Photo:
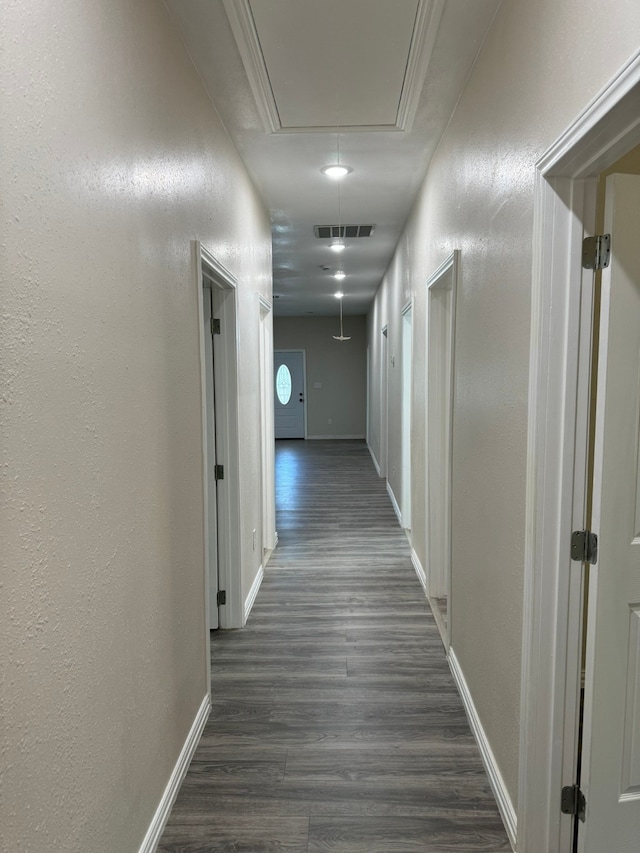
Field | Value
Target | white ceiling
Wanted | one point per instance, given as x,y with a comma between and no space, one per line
284,75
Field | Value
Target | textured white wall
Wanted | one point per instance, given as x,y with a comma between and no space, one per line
539,67
113,160
341,368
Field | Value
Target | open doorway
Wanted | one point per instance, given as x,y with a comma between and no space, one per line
220,440
267,431
564,325
384,401
407,372
441,296
210,453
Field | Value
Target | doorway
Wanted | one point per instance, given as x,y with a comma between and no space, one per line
290,409
384,402
267,431
407,370
220,440
563,329
441,295
211,451
610,757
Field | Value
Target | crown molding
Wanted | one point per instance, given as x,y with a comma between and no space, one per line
423,40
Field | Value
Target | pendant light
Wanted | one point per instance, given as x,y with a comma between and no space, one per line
341,336
337,172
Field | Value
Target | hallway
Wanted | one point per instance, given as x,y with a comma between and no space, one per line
336,725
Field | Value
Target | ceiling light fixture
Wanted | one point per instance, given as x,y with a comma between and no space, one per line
339,294
337,246
341,336
339,275
336,171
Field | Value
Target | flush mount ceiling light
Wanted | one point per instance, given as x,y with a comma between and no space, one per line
339,275
337,246
336,171
339,294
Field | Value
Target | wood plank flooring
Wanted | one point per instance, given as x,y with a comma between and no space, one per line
336,725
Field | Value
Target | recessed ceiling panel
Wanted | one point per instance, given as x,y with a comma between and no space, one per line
285,163
336,61
316,64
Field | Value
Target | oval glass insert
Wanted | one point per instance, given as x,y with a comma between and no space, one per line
283,384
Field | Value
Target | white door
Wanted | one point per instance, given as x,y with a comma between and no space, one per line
611,758
288,368
211,459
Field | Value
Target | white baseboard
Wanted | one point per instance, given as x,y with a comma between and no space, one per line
394,503
250,599
329,437
375,461
417,565
157,825
505,805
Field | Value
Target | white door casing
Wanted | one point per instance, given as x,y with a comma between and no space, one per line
222,284
407,372
267,428
384,401
290,410
562,294
441,290
611,758
210,461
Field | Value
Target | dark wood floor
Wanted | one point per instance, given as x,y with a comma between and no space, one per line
336,726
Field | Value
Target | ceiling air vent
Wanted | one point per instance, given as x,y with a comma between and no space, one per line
328,231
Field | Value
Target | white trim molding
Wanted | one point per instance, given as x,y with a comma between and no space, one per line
158,823
561,333
267,426
505,805
394,503
358,437
439,389
197,265
420,572
424,38
376,464
407,307
216,267
223,285
264,303
253,592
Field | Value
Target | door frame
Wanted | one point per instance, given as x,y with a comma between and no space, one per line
368,398
269,534
224,301
441,579
561,335
304,379
209,450
406,415
384,401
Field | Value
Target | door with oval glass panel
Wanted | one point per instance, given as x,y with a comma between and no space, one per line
289,397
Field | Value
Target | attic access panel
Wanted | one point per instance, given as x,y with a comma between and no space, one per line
359,64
